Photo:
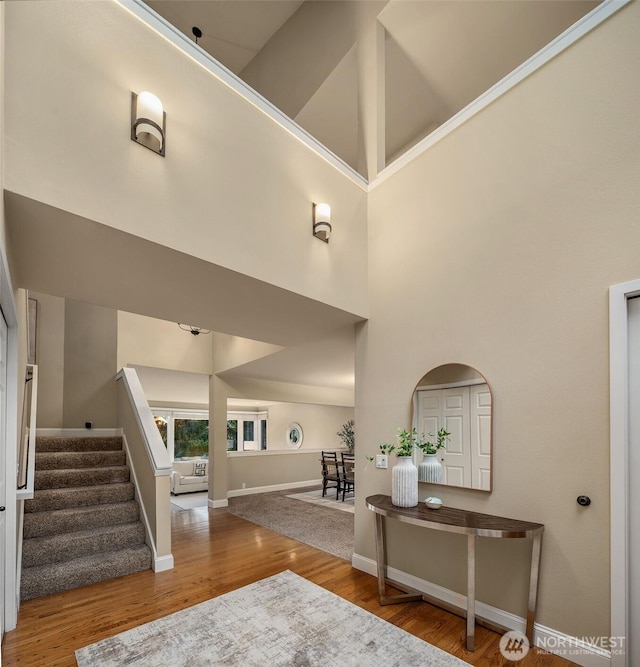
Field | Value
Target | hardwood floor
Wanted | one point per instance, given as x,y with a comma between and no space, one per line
216,552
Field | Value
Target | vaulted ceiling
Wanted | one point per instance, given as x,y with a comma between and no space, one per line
439,55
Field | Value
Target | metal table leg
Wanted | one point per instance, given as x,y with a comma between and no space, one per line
533,585
471,591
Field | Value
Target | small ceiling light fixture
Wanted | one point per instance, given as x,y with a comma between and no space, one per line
322,222
148,122
196,331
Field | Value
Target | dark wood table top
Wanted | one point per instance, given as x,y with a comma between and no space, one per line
454,520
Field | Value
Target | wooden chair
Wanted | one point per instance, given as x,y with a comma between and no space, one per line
331,473
348,482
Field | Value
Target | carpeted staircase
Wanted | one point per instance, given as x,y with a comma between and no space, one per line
82,525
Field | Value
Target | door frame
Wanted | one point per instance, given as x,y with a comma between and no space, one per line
10,311
619,456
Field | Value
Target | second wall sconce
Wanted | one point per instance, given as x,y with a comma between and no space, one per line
148,122
322,222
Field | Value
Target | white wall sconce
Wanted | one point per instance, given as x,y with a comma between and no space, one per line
322,222
148,122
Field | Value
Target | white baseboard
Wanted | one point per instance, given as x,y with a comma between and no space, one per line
274,487
80,432
163,563
216,504
577,650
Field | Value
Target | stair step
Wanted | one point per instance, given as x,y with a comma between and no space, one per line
69,546
67,460
54,443
52,578
79,496
56,479
40,524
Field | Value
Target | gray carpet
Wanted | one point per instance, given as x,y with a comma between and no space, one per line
83,523
283,620
319,526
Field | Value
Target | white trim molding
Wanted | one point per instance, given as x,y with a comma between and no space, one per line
571,35
580,651
274,487
619,457
162,563
217,504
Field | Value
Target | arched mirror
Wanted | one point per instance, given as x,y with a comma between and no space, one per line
456,398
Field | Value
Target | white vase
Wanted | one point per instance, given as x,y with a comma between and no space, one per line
404,483
430,470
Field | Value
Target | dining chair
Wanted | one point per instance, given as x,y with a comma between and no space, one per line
331,473
348,482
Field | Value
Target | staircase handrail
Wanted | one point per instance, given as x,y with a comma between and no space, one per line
156,451
27,454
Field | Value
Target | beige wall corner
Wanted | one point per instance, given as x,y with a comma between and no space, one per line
496,249
90,349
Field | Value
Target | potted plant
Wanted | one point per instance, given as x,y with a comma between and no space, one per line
430,470
348,434
404,475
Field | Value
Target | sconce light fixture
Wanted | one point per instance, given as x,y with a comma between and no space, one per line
322,222
148,122
196,331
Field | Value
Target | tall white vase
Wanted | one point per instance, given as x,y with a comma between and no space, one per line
404,483
430,470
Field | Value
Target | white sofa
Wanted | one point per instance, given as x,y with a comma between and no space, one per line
189,476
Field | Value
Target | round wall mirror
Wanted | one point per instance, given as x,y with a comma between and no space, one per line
295,435
455,399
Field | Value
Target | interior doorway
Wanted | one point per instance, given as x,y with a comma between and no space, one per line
3,454
624,355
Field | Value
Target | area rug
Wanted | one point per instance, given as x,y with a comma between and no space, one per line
281,620
314,525
188,501
315,497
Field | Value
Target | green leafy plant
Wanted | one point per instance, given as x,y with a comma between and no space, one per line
429,447
405,443
348,434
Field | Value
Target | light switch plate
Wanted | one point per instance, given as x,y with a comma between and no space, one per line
381,461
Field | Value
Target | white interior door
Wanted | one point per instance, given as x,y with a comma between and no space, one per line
633,638
449,409
480,425
3,442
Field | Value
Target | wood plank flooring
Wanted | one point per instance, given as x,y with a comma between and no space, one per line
216,552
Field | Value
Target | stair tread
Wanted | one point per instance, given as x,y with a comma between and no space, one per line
46,579
79,496
68,546
79,460
56,443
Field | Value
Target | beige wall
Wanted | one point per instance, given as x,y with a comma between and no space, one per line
50,359
235,189
90,341
264,469
496,249
147,341
319,423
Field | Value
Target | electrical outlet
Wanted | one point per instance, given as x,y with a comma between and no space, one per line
381,461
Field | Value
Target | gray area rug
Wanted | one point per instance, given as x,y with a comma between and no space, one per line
281,620
319,526
329,500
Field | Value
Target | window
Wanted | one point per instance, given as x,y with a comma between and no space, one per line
246,431
185,433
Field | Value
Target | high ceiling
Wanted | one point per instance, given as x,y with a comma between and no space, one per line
439,56
302,55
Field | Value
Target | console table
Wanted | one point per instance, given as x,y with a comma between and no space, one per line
471,524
